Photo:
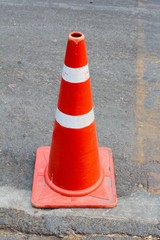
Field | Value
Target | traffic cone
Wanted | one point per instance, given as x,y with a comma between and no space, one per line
74,172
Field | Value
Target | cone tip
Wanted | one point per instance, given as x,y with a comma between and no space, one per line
76,36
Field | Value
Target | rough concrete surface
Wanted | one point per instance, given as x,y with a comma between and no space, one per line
124,58
137,214
13,235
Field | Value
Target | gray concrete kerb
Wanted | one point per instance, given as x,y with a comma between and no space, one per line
135,215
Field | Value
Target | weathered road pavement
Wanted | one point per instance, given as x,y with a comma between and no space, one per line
123,42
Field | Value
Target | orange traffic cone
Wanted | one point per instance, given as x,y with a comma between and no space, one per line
74,172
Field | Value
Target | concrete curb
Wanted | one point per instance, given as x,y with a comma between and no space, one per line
135,215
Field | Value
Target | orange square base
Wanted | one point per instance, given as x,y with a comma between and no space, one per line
103,197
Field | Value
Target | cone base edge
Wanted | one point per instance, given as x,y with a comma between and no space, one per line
73,193
103,197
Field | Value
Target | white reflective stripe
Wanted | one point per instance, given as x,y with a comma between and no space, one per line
75,75
70,121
